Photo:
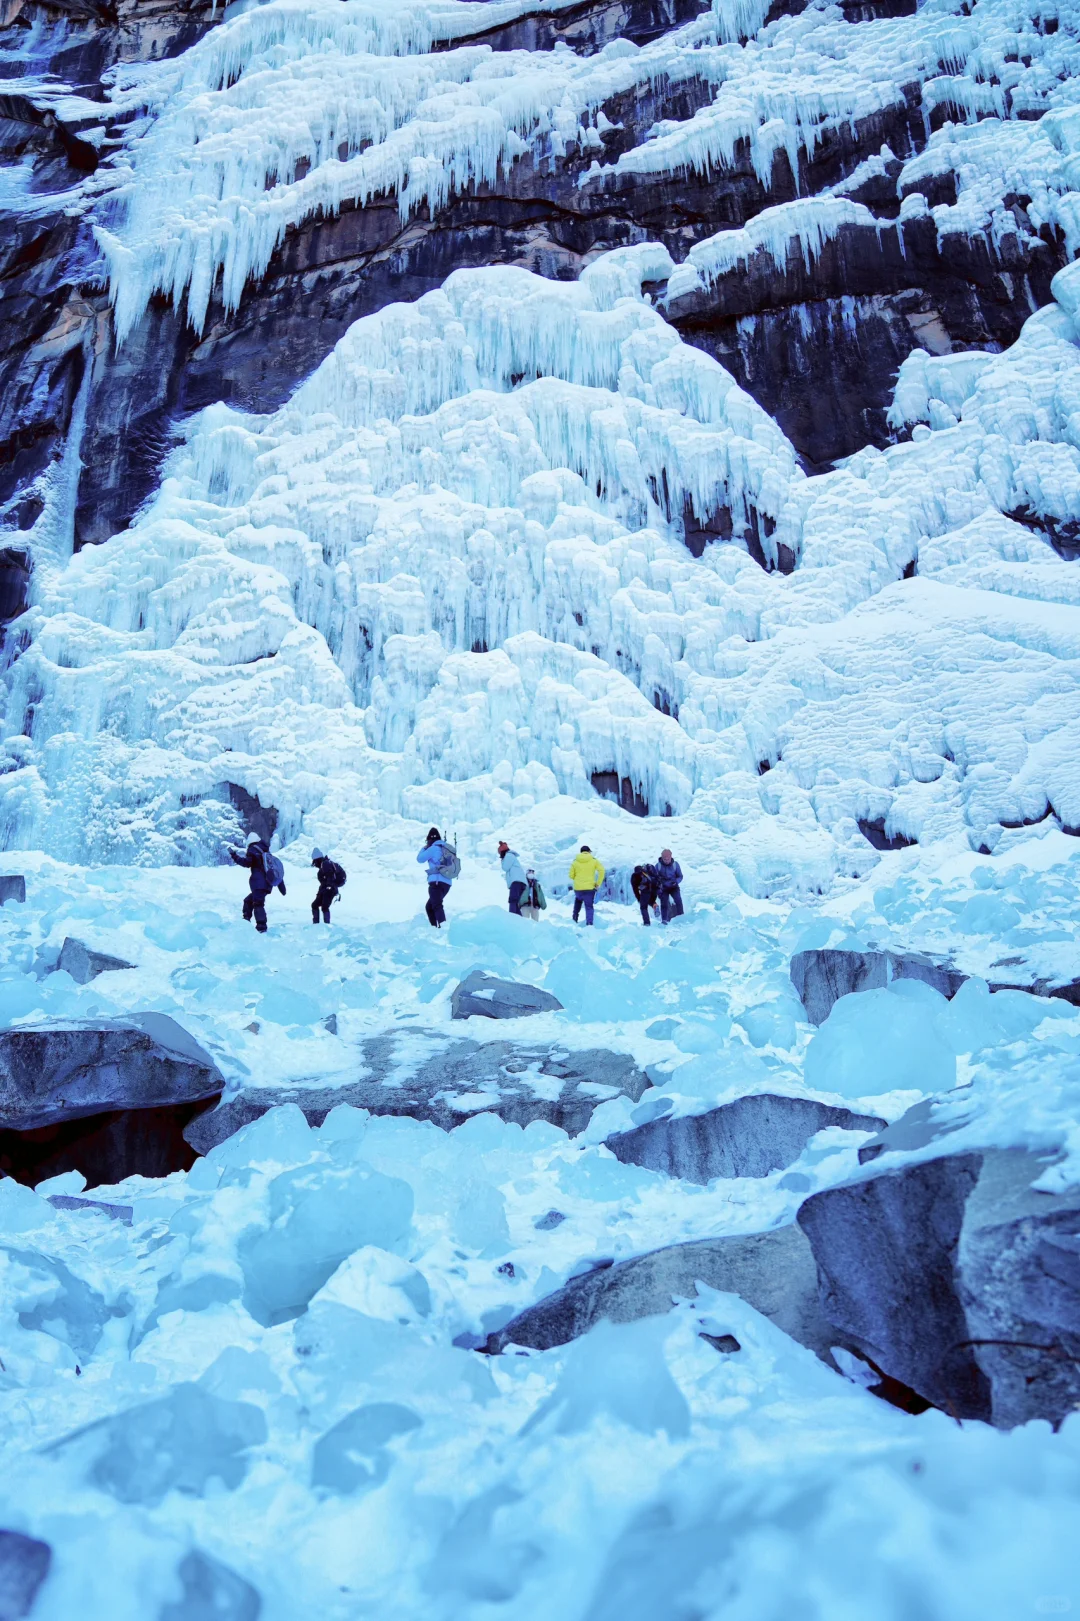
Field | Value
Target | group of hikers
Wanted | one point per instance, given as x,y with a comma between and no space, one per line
656,886
267,874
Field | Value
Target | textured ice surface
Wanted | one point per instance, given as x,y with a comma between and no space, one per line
446,581
251,1395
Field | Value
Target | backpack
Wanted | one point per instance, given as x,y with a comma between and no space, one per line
273,869
537,897
338,874
449,866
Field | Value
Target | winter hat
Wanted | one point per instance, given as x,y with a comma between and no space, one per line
503,845
433,833
585,850
252,838
317,855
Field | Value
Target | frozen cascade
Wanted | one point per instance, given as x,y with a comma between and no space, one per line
302,106
448,578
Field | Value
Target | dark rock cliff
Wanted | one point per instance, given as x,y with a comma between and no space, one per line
818,345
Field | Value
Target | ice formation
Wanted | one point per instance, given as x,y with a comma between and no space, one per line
447,580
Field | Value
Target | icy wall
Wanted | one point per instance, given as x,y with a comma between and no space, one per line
562,524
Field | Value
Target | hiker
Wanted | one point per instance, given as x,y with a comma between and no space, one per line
267,873
586,875
514,873
443,866
669,877
533,902
331,879
644,883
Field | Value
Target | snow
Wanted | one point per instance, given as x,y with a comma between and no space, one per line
447,582
261,1366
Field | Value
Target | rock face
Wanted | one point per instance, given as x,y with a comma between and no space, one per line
24,1565
519,1083
85,964
852,316
211,1589
485,996
73,1068
817,340
109,1099
12,889
750,1137
822,977
122,1213
957,1279
106,1148
774,1272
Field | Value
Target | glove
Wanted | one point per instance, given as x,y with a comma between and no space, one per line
281,889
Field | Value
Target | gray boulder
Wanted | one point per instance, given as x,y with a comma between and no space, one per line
123,1213
68,1069
211,1592
24,1565
490,998
519,1082
12,888
773,1272
85,964
749,1137
957,1279
821,978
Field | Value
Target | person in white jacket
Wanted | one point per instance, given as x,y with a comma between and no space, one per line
514,873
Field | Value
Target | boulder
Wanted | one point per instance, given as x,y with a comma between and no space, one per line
958,1279
749,1137
85,964
211,1590
67,1069
12,888
822,977
490,998
122,1213
24,1565
773,1272
518,1082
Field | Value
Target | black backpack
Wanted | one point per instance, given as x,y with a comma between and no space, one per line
337,875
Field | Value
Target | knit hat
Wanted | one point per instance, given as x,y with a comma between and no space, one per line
317,855
252,838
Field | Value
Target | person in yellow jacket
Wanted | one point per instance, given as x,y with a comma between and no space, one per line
586,875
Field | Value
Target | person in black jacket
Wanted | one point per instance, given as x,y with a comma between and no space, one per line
256,858
669,877
643,883
331,878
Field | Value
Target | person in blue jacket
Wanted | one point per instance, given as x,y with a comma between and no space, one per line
440,859
668,879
